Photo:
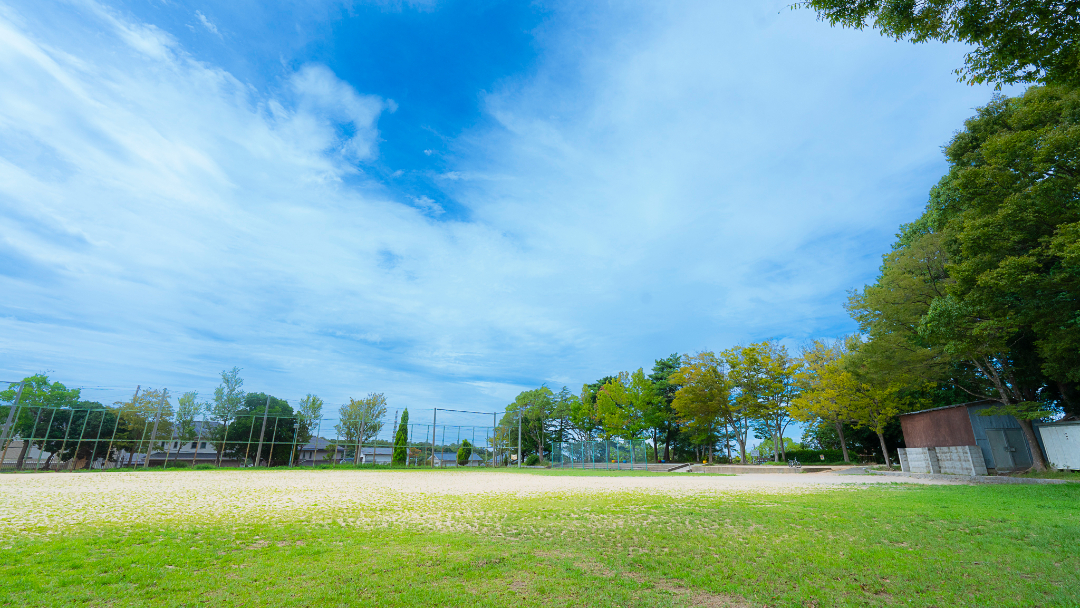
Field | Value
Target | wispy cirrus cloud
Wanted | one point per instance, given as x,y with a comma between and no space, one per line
665,178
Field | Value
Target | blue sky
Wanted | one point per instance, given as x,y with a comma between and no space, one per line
446,202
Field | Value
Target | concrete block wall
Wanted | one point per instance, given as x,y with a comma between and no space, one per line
961,460
918,460
950,460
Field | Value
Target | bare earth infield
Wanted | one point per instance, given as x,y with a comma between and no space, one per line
52,502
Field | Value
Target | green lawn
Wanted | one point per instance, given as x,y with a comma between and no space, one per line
893,545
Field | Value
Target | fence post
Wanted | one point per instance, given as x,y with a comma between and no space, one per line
153,434
434,419
10,419
262,432
78,445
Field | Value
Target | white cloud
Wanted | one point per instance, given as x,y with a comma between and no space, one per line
711,175
207,24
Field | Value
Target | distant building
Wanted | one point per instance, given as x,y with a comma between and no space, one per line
318,451
449,459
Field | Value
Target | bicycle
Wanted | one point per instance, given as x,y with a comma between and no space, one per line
794,464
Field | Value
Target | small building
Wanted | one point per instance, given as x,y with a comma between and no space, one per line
449,459
318,451
376,455
957,439
1061,443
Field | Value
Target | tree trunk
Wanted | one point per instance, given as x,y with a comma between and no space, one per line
775,447
884,450
742,448
45,467
22,454
1038,463
667,448
843,442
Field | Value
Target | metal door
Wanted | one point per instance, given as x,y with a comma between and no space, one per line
1020,454
999,447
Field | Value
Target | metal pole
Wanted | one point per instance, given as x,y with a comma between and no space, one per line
48,429
360,437
315,444
116,423
251,433
273,436
97,437
262,433
494,439
63,445
434,418
519,438
10,418
292,450
78,445
153,434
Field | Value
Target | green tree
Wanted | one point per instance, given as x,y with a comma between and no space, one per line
661,419
1014,40
262,419
308,415
37,407
401,440
464,452
827,389
535,408
361,420
228,401
703,401
981,292
623,403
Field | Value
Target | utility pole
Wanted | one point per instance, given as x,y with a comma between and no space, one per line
10,418
153,434
258,453
519,438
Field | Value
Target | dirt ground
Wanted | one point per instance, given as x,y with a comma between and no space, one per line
50,502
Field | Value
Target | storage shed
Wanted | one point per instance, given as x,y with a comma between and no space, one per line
999,438
1061,443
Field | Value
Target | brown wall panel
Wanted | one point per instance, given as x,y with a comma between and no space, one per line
947,427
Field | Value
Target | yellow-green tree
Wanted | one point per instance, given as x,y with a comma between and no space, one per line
623,403
703,401
827,390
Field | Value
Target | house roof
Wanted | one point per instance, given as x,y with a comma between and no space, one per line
453,456
320,443
949,407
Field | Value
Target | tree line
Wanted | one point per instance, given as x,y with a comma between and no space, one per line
56,420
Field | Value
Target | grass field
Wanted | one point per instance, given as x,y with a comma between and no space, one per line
538,538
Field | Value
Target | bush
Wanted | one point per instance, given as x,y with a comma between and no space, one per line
814,456
464,452
532,460
204,466
179,464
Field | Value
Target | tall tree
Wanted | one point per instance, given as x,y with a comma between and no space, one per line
361,420
401,440
228,401
703,401
623,403
662,419
780,388
827,389
308,415
1013,40
535,408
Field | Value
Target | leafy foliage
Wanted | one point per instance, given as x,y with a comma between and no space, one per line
1014,40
